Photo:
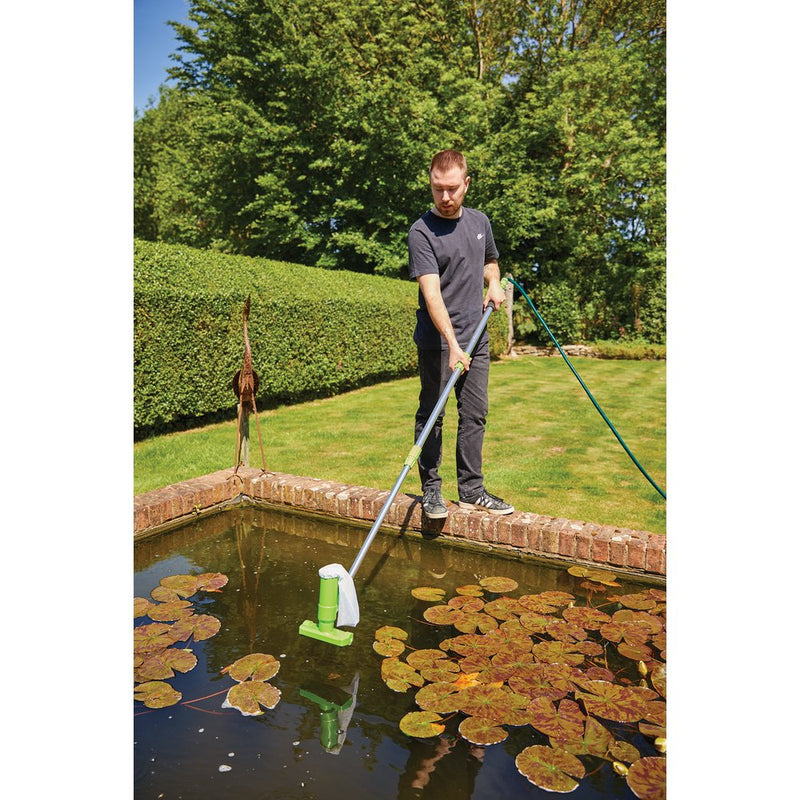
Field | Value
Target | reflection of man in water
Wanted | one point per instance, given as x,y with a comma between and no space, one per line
440,768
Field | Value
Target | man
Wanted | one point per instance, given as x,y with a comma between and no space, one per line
452,255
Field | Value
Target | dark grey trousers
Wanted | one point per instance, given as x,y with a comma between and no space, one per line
472,399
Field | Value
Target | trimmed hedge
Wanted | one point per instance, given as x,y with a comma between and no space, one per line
313,332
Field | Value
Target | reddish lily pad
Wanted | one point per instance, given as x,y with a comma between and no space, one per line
256,666
556,598
156,694
471,590
639,652
624,751
486,701
466,604
211,581
422,724
152,637
504,608
616,703
162,664
498,585
550,768
557,653
541,680
200,626
430,594
440,615
482,731
390,632
658,678
647,778
565,721
638,601
419,659
398,676
596,741
250,696
183,585
141,607
466,622
588,618
440,697
507,663
169,612
535,622
565,632
161,594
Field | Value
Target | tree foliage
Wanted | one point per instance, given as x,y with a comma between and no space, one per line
301,131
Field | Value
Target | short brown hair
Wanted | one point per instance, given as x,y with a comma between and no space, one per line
445,159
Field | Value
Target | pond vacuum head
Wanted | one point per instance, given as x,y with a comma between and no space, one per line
324,629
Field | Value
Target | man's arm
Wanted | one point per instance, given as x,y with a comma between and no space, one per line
491,277
431,289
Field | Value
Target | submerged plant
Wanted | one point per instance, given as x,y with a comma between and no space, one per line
579,675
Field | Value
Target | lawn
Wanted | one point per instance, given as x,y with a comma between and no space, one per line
547,450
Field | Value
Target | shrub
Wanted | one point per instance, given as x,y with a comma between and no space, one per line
313,332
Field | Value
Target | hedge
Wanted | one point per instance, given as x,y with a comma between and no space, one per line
313,332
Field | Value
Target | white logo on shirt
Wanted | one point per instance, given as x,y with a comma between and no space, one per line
480,236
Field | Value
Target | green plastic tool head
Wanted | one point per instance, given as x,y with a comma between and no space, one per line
325,629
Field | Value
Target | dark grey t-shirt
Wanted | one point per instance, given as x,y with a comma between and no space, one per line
456,249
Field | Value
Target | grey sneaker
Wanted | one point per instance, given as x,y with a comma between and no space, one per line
486,502
433,505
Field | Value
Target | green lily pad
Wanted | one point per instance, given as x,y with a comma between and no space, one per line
597,575
161,594
565,721
256,667
440,697
388,647
200,626
466,604
421,724
440,615
647,778
430,594
638,601
557,598
162,664
398,676
156,694
183,585
624,751
482,731
550,768
498,585
250,696
535,622
419,659
469,622
597,740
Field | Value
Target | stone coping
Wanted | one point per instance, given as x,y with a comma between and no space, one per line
638,552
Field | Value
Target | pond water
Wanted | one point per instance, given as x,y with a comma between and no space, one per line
335,731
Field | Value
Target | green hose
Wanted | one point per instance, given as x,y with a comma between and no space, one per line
589,394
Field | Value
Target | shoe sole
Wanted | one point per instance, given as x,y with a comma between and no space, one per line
440,515
496,512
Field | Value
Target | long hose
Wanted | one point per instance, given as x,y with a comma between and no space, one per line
588,393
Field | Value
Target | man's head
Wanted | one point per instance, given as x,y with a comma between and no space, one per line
449,183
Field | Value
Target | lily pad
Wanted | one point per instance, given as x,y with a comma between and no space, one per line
556,598
550,768
162,664
440,697
482,731
471,590
421,724
398,676
211,581
430,594
250,696
624,751
557,653
566,632
616,703
169,612
466,604
504,608
156,694
597,575
419,659
565,721
639,601
534,603
647,778
440,615
535,622
183,585
596,740
141,605
200,626
163,595
590,619
498,585
486,701
390,632
541,680
256,666
152,637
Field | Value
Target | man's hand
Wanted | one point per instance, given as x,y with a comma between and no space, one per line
456,355
495,293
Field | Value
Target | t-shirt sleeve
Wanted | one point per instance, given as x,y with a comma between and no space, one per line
421,258
492,253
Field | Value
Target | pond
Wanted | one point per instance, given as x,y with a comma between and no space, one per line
334,729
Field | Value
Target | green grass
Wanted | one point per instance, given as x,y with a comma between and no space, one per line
547,450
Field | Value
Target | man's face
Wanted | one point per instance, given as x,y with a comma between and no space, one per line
448,188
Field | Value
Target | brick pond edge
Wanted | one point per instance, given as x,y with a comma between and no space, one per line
637,552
